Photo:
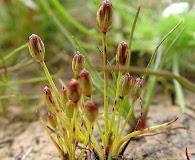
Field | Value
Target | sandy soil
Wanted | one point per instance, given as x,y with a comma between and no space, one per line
22,140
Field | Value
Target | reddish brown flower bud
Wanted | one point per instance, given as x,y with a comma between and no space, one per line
122,54
136,89
91,111
104,16
52,119
69,110
36,48
48,96
85,82
78,64
74,90
125,85
64,96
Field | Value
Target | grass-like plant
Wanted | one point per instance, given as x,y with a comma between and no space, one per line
9,85
8,90
73,113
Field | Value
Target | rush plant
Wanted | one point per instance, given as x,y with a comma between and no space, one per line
73,113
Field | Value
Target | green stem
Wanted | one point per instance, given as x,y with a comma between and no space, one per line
127,118
100,132
148,94
105,59
156,49
152,82
89,132
178,88
132,32
52,139
50,80
136,133
28,81
119,116
116,102
14,52
73,124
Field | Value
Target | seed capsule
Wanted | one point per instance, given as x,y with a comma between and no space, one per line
125,85
122,54
104,16
36,47
64,97
52,119
48,96
74,90
78,64
85,82
136,89
91,111
69,110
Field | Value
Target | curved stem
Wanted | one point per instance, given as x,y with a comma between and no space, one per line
156,49
136,133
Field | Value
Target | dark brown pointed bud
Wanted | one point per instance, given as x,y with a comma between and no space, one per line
104,16
64,97
36,47
74,90
125,85
122,54
136,89
78,64
52,119
69,110
85,82
91,111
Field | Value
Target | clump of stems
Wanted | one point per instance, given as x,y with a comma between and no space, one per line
73,113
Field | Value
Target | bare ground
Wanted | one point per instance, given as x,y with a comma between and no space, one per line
22,140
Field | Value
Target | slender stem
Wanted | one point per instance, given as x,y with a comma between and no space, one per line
89,132
50,79
150,88
73,124
119,116
95,144
14,52
116,102
105,59
100,131
27,81
136,133
156,49
52,139
151,85
124,147
178,87
132,32
127,118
